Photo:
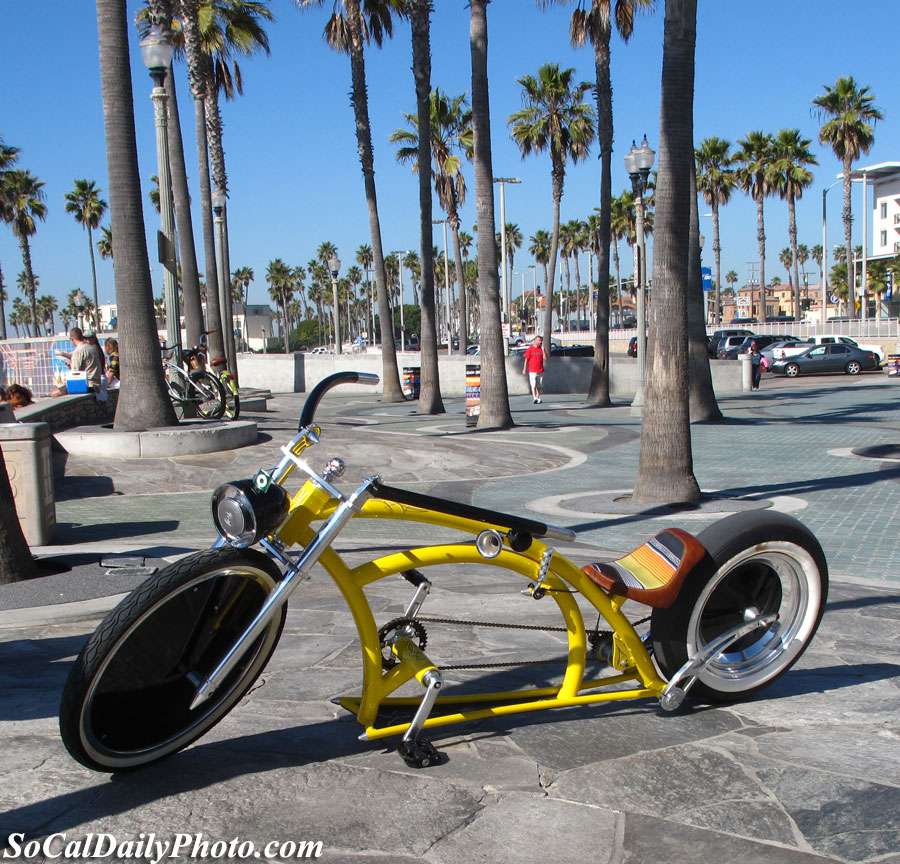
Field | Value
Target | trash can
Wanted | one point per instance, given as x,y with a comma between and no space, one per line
26,452
412,381
892,364
473,394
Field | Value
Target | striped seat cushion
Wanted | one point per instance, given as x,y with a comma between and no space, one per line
654,572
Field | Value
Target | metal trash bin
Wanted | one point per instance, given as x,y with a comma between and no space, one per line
26,452
473,394
412,381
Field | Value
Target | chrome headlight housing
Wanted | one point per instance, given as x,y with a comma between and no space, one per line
243,513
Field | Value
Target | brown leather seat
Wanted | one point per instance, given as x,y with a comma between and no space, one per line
653,573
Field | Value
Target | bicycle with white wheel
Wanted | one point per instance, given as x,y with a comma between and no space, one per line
193,390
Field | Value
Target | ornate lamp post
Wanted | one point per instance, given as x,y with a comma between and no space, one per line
79,301
400,278
334,266
224,278
156,51
638,162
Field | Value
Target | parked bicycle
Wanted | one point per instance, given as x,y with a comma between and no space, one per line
730,611
229,386
193,390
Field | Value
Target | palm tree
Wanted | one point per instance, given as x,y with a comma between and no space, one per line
364,258
665,466
86,205
144,402
25,199
513,242
731,278
242,277
281,279
877,280
816,255
753,175
348,33
8,156
105,244
849,131
789,176
556,119
451,135
47,307
494,410
715,181
541,241
596,25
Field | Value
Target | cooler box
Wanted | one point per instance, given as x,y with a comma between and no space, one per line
76,382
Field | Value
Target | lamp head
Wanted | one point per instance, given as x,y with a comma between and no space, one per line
156,50
334,265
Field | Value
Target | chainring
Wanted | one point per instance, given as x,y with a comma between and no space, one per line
385,638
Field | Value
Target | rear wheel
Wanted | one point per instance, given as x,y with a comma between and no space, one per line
792,370
127,701
208,395
757,564
853,367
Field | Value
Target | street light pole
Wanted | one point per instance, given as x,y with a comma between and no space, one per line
79,301
824,286
638,162
504,285
533,269
224,278
334,265
156,51
400,279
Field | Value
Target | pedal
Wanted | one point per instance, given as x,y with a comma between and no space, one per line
419,753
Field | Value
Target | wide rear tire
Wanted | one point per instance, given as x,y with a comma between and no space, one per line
127,700
758,562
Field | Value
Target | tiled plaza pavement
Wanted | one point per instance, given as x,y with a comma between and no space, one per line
809,771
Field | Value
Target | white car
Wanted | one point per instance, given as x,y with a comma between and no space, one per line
793,348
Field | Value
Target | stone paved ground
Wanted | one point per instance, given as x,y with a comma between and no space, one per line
808,771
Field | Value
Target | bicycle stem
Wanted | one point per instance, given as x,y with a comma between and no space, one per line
273,603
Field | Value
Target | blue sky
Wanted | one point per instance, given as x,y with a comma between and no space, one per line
294,174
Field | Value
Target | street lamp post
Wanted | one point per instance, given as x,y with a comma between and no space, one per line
225,307
533,269
446,284
334,266
824,285
400,279
638,162
156,51
504,290
79,301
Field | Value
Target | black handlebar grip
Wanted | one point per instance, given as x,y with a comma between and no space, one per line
312,401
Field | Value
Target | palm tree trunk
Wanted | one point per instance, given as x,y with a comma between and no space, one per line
702,398
665,466
848,226
93,273
554,250
143,400
717,253
190,277
390,376
430,401
792,231
461,277
494,391
29,277
761,239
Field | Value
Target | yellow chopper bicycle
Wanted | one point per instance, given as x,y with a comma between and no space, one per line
731,610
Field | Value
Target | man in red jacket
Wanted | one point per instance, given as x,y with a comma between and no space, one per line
534,366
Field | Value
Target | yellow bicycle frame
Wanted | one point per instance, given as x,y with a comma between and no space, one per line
630,658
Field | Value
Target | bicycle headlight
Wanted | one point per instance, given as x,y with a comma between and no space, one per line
243,513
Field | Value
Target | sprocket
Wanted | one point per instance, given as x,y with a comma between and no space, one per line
385,637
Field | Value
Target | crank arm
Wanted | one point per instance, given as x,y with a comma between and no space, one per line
294,576
674,693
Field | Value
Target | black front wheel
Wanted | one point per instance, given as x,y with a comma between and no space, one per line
207,394
758,563
127,701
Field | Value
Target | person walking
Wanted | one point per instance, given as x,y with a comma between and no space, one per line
756,361
534,366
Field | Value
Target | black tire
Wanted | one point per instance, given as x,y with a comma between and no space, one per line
792,370
127,700
853,367
208,395
759,559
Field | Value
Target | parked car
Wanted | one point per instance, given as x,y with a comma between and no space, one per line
632,346
716,337
735,321
744,347
571,350
473,349
846,340
727,342
770,351
826,358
